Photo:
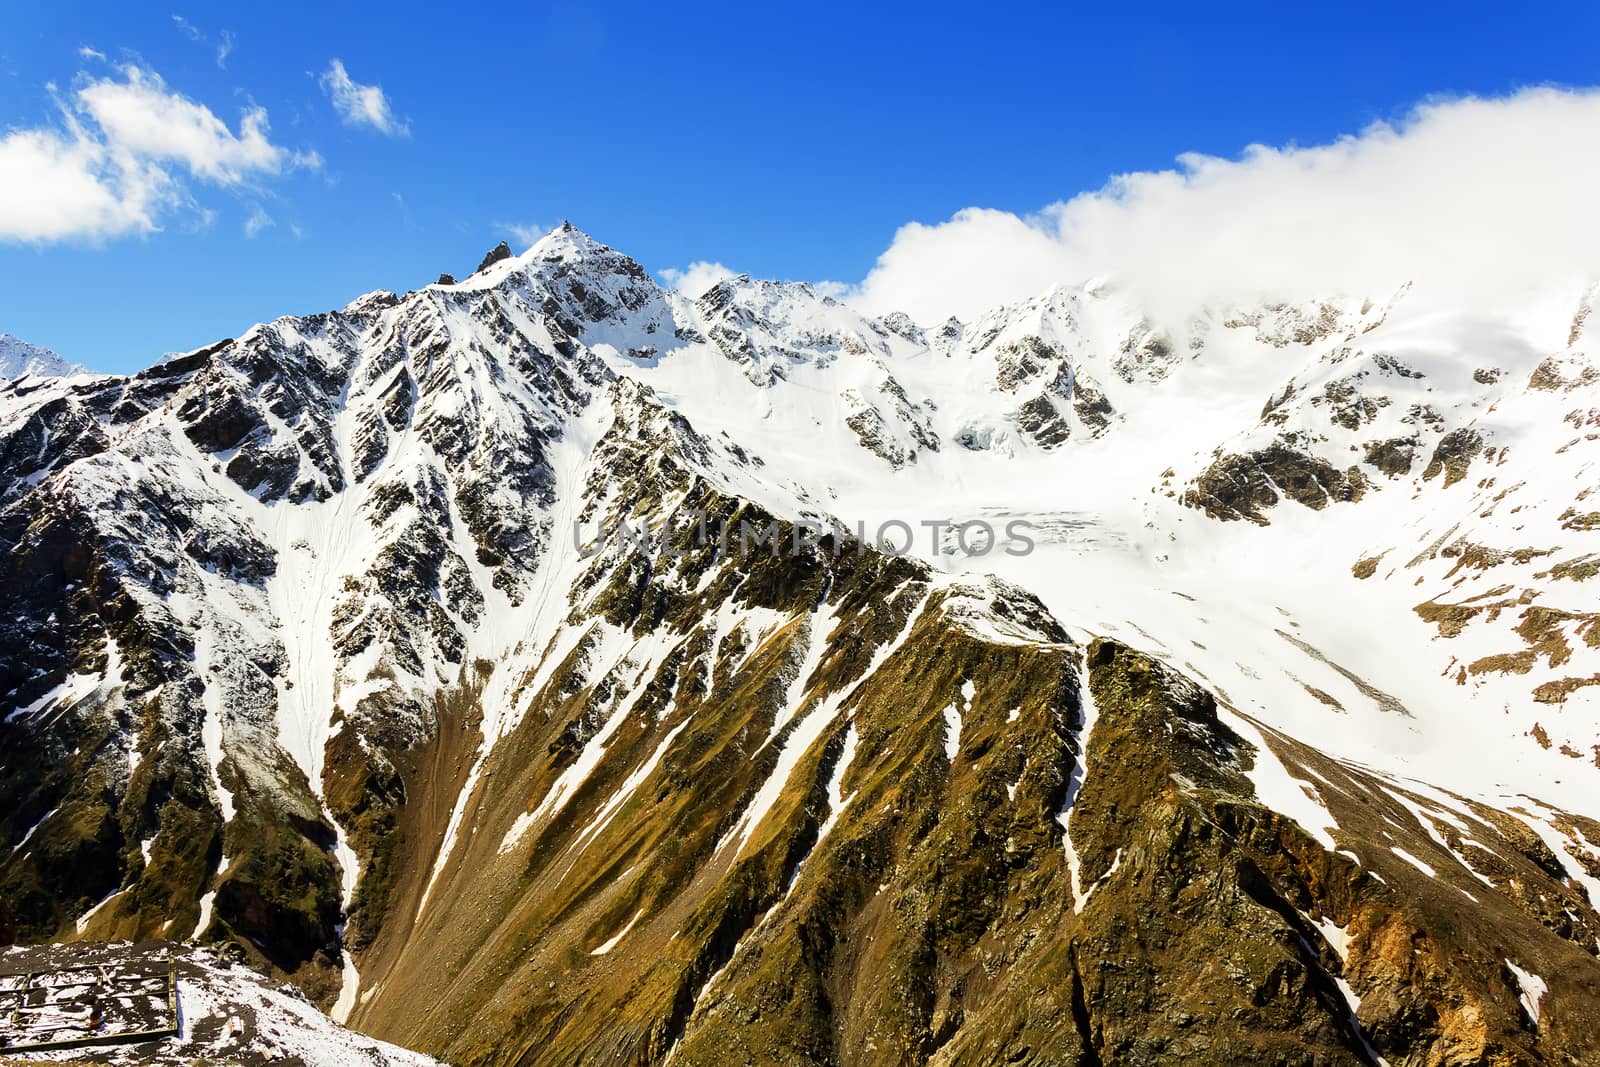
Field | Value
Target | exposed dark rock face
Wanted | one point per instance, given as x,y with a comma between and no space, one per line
1146,354
1093,408
1246,486
1393,457
1281,325
499,252
1347,406
1045,418
1039,419
1453,455
1020,362
58,432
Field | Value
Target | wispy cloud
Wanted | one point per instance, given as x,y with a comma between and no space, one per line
406,218
523,234
362,105
696,278
118,160
1472,198
187,28
259,220
225,38
85,52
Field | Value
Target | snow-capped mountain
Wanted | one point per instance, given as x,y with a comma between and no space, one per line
18,358
1069,687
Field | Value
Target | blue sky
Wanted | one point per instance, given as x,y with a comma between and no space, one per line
783,141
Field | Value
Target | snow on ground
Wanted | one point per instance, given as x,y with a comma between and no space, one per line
1281,791
87,917
952,732
1531,989
1418,864
817,629
629,786
1270,618
615,939
804,734
211,728
1338,938
836,796
1260,614
1080,770
800,739
1558,843
227,1013
208,901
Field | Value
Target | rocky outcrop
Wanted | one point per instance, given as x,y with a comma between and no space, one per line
1041,421
1454,455
1393,457
499,252
1246,486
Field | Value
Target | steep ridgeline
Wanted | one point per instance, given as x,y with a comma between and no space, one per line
345,641
18,358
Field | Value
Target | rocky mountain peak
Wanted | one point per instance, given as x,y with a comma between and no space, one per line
566,241
494,255
19,358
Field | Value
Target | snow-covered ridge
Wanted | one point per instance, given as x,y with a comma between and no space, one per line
1072,409
319,535
19,358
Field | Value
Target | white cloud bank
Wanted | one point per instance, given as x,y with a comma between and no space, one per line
1474,198
362,105
693,280
115,164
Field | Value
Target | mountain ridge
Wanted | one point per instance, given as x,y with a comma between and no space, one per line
309,657
19,358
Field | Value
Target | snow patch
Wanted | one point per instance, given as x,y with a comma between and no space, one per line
206,903
1418,864
1532,987
616,938
1281,791
952,733
1075,779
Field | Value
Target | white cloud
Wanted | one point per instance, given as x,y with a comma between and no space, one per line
55,186
86,52
198,36
259,220
696,278
140,115
524,234
115,162
1471,198
187,28
362,105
